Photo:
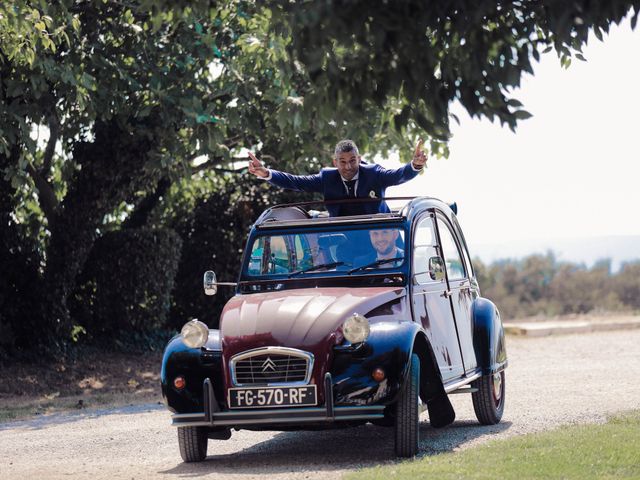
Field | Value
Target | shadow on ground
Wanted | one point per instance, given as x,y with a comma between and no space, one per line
331,450
68,417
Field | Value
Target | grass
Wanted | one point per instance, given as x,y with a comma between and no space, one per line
603,451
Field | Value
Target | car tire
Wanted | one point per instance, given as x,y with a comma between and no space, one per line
193,443
407,413
488,401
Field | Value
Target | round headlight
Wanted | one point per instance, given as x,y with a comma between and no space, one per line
194,334
356,328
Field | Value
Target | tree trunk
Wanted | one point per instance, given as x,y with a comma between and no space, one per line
140,215
112,169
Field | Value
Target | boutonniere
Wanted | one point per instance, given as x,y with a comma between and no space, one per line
372,194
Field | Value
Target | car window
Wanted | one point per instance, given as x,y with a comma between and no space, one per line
450,252
269,255
348,249
424,247
465,249
279,261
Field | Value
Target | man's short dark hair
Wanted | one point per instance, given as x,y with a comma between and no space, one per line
345,146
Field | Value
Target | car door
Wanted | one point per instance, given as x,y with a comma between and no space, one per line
431,304
459,289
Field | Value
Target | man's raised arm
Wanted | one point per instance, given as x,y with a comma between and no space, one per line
303,183
396,176
419,159
257,168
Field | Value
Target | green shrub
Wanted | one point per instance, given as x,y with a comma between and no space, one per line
214,236
19,282
539,285
127,282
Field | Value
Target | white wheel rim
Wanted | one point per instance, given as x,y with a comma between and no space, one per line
497,387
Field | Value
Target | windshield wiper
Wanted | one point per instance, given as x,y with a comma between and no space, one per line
316,267
375,264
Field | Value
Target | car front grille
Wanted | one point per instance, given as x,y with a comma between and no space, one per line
271,366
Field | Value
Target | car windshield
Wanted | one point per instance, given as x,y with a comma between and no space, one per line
348,252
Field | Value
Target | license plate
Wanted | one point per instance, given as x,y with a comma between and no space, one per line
260,397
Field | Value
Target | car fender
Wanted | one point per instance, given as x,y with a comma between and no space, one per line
389,347
194,364
488,336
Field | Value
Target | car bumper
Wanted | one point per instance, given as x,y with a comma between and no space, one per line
214,417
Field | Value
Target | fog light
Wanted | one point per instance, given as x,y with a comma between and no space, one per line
378,375
179,383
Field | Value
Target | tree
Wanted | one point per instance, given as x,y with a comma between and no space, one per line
105,105
416,57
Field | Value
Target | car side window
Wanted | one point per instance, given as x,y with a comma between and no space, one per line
279,262
450,252
424,247
270,255
465,249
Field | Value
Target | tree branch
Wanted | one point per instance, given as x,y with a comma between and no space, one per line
54,134
210,165
48,200
140,216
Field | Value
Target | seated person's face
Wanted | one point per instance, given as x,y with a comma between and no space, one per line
384,241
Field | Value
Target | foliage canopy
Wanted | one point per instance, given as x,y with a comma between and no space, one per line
428,54
111,111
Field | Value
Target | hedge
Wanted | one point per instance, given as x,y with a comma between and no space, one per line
127,282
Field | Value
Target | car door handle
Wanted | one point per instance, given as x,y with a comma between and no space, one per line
446,294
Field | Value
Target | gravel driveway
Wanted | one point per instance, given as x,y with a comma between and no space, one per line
550,381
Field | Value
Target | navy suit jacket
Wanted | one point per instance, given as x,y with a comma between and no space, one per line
371,178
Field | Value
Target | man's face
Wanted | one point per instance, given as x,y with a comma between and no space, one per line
384,241
347,164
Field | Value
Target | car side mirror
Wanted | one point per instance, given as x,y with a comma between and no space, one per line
436,268
209,283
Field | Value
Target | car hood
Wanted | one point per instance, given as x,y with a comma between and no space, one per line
302,318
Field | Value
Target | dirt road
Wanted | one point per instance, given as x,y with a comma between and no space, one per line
550,381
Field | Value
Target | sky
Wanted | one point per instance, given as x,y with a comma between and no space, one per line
570,171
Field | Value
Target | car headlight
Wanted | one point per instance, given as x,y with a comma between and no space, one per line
356,328
194,334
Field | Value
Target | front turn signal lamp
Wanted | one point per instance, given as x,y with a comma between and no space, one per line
378,375
356,328
194,334
179,383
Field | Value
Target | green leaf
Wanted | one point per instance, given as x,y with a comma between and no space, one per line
522,114
597,32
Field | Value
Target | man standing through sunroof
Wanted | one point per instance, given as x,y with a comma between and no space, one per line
351,178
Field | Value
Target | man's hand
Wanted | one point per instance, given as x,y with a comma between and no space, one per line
419,157
256,167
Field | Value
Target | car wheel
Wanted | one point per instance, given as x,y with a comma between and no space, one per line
193,443
488,401
407,414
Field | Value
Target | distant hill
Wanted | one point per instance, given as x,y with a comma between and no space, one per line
619,249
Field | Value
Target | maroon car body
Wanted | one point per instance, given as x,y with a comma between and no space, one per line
326,332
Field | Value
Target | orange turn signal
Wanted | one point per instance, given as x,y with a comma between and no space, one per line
179,383
378,375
